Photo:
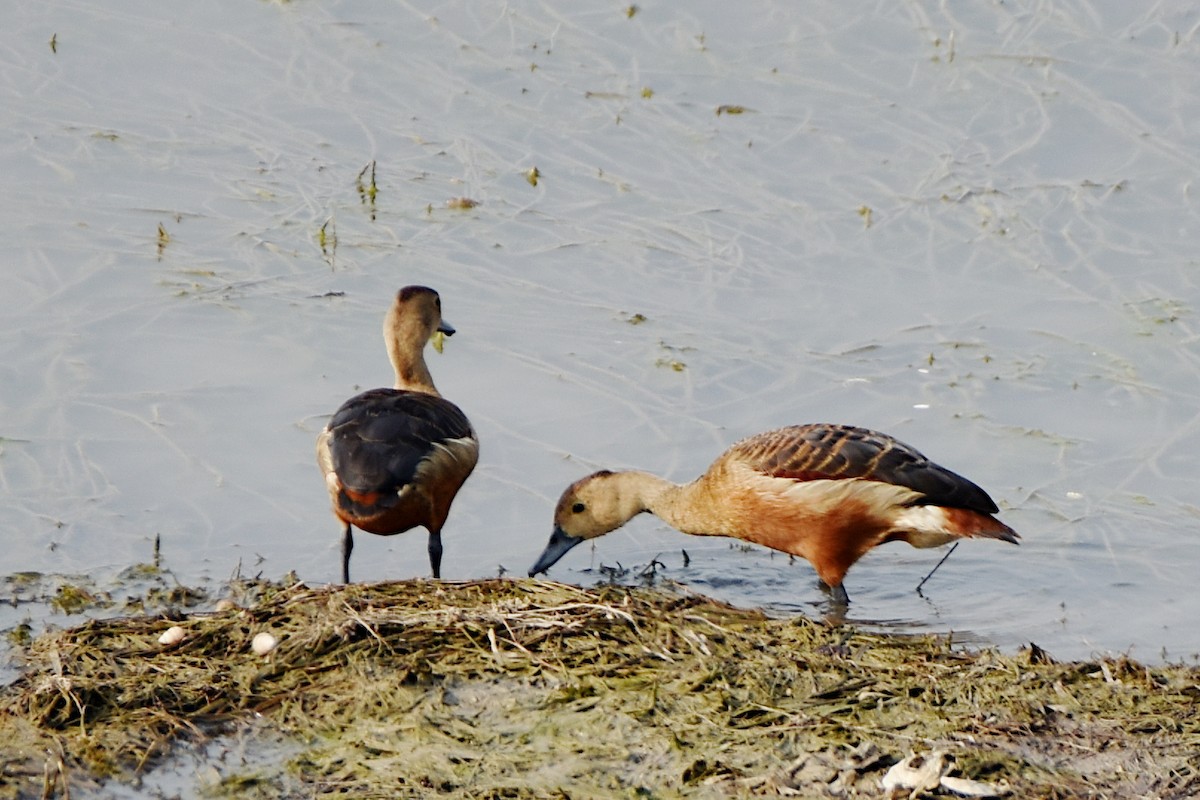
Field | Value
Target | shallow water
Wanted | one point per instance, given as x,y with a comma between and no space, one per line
972,228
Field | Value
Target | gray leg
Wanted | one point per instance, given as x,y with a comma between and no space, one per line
435,553
838,595
347,547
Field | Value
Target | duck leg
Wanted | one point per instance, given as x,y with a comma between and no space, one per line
435,553
838,595
347,548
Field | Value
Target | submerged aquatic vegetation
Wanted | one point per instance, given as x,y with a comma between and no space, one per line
523,688
164,239
327,240
367,188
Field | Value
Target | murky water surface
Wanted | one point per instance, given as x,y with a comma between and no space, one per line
972,227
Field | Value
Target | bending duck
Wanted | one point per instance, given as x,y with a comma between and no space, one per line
826,493
394,459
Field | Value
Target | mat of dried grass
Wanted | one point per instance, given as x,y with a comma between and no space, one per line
522,688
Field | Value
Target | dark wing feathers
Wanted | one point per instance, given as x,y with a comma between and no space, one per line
813,452
379,437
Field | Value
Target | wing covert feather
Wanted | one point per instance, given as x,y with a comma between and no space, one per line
378,438
832,452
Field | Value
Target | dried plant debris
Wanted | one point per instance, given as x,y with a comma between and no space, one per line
534,689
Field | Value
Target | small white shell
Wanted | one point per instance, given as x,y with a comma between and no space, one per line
172,635
225,604
970,788
263,643
919,772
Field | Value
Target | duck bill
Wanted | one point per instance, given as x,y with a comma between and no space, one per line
557,547
438,340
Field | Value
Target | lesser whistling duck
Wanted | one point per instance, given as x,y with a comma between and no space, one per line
394,459
826,493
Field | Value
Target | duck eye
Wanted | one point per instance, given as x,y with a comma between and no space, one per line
578,508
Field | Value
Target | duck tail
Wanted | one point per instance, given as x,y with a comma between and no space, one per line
966,523
933,526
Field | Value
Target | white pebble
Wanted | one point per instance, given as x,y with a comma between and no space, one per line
172,635
263,643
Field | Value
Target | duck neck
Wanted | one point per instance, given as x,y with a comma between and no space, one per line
685,507
408,360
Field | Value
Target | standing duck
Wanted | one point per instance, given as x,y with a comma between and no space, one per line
826,493
395,458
